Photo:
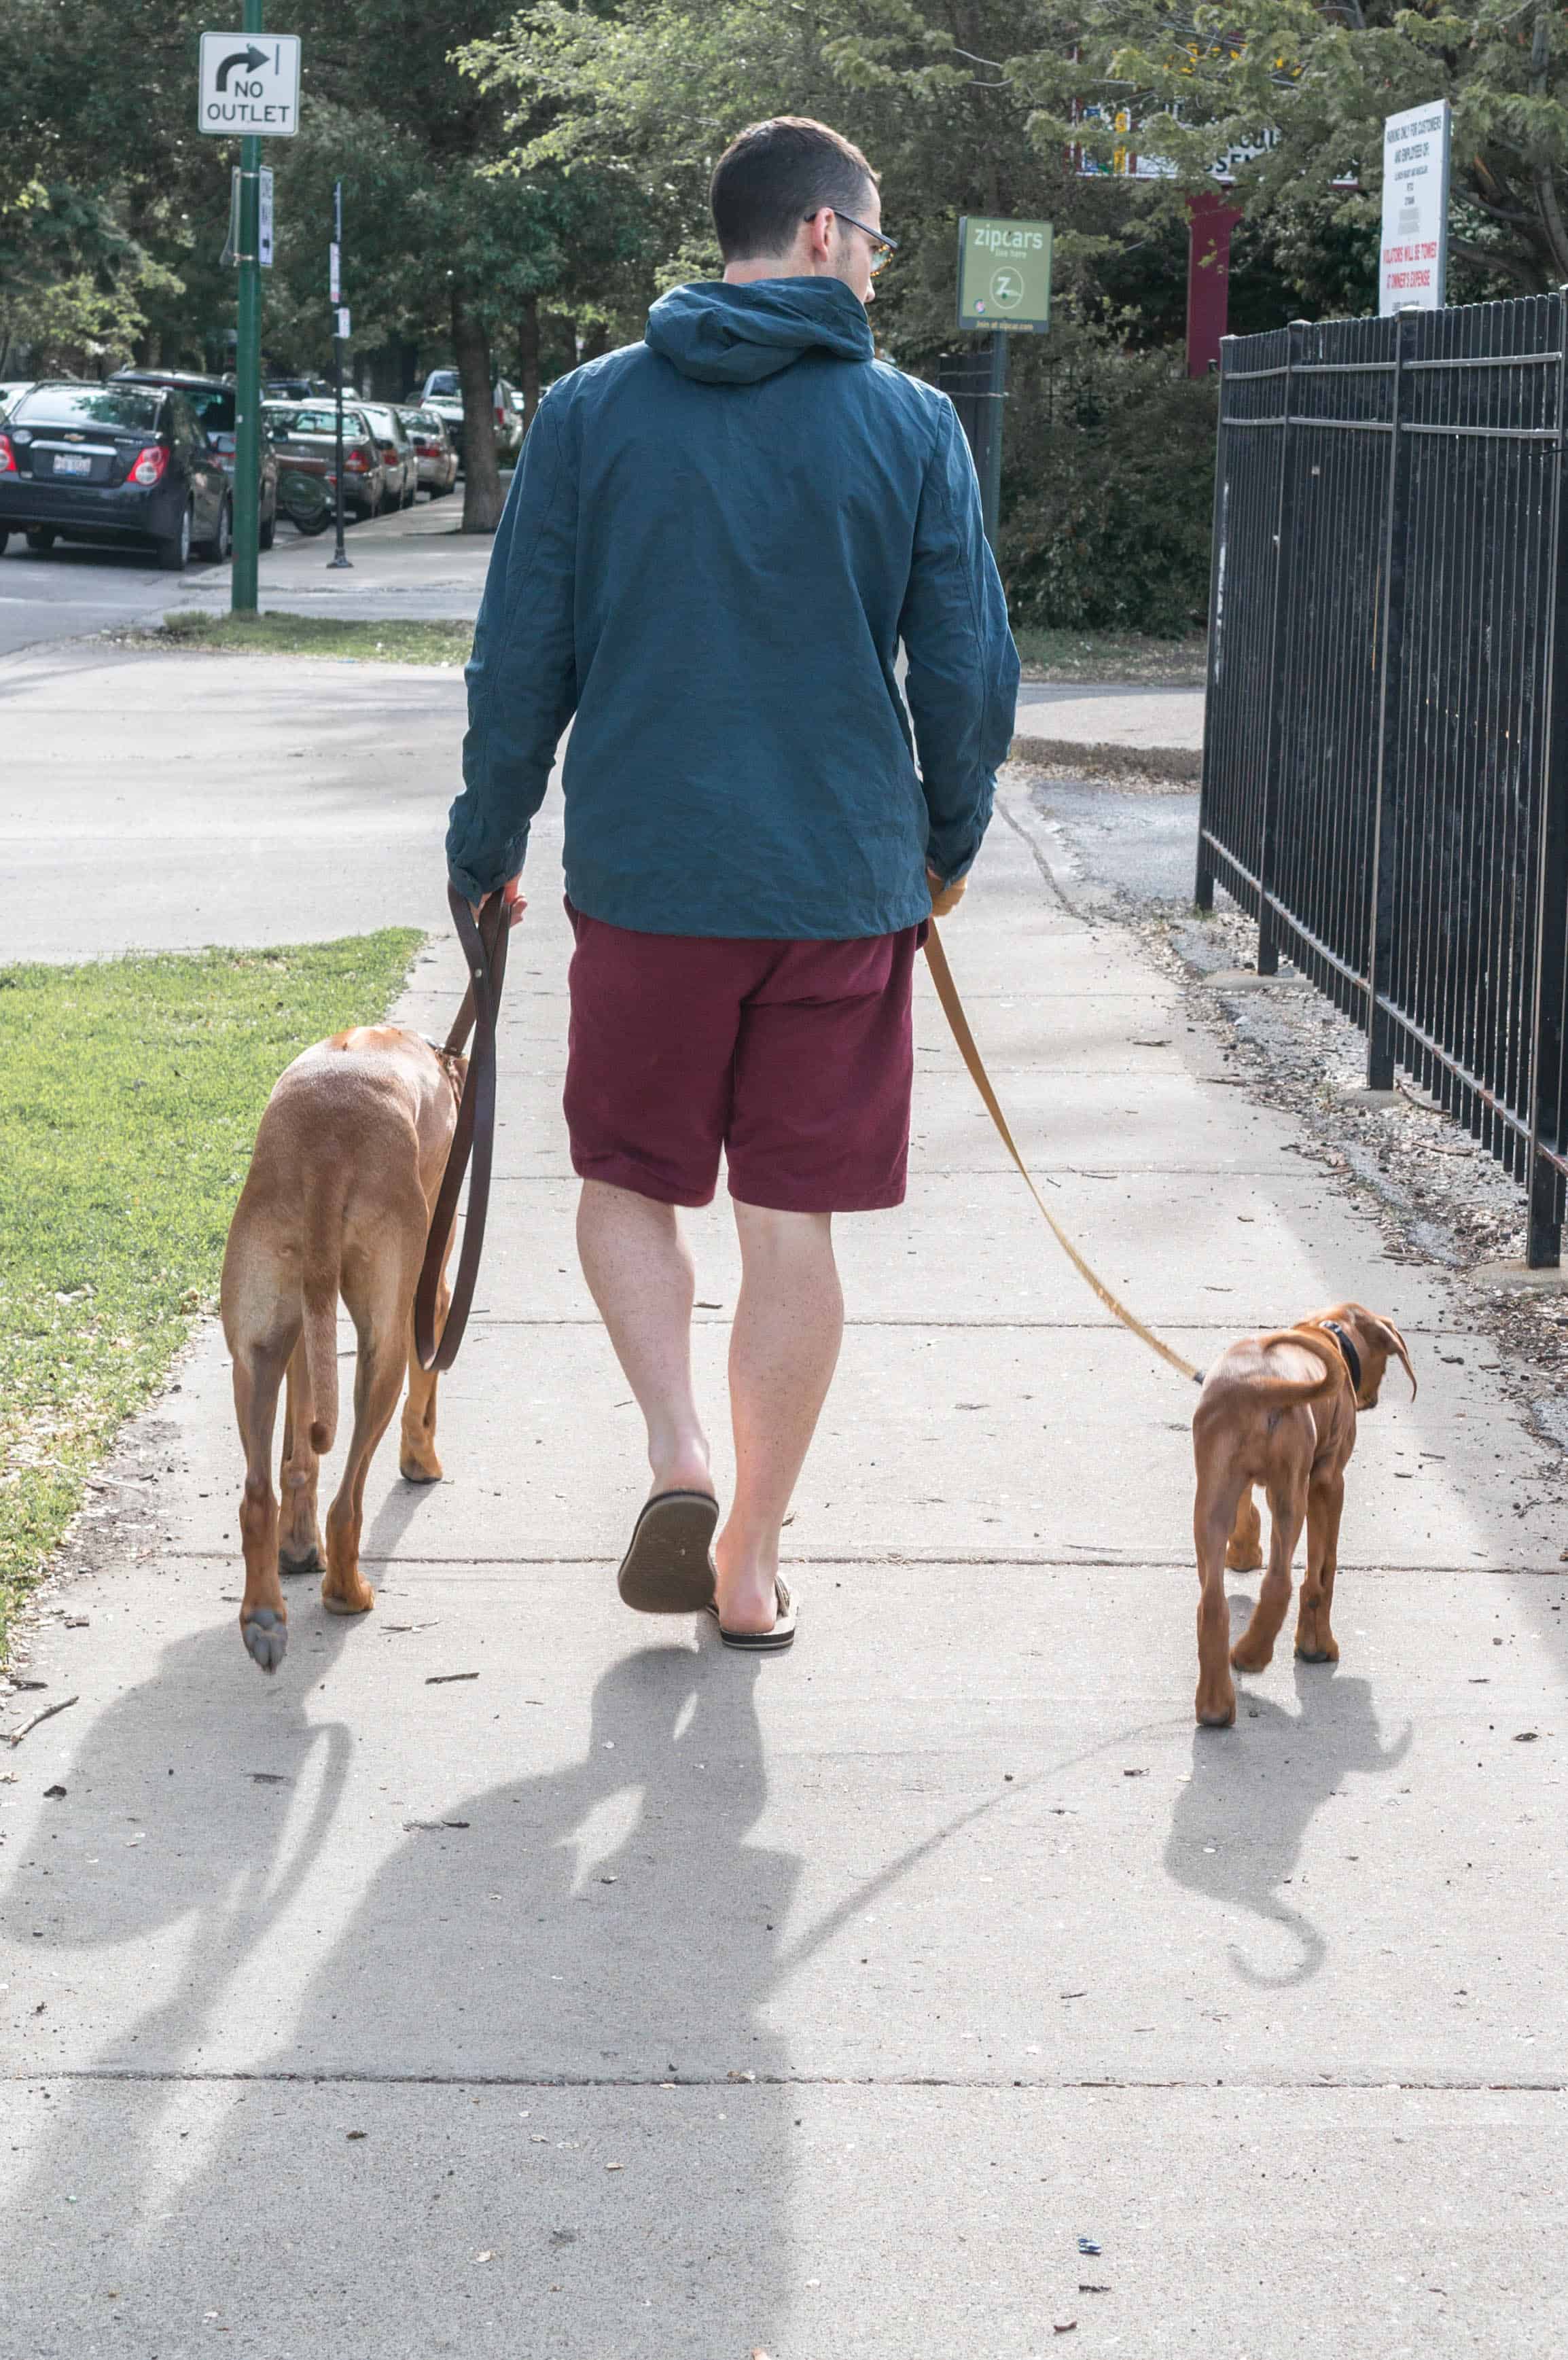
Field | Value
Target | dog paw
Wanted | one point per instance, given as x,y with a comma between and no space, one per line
307,1560
357,1601
265,1635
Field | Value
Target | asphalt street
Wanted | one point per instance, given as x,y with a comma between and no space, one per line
513,1973
415,565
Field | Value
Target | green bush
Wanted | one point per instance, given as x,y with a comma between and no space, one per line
1108,493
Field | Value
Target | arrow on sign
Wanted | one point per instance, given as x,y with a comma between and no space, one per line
249,59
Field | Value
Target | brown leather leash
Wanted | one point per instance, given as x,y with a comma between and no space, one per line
953,1009
484,946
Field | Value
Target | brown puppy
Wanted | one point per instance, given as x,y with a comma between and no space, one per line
345,1174
1281,1411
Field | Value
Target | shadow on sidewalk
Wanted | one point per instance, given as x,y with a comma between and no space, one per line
1239,1826
588,1934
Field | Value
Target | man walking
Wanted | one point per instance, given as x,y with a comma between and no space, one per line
715,545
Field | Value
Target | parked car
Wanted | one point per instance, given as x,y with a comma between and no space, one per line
444,394
112,463
311,427
432,449
296,389
213,400
399,461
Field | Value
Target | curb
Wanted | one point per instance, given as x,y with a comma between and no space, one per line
1162,763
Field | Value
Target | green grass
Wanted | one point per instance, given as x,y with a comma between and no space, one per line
313,635
1093,656
129,1095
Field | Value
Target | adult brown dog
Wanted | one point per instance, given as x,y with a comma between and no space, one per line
1278,1410
343,1181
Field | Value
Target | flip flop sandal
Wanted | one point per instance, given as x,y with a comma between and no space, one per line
765,1642
668,1569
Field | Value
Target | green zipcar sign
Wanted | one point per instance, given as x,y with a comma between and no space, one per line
1004,275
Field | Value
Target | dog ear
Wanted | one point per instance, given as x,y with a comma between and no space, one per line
1393,1342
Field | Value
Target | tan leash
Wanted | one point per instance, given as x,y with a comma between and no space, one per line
953,1009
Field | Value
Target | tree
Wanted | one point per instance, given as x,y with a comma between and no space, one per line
1307,87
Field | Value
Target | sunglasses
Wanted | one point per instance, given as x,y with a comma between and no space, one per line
884,248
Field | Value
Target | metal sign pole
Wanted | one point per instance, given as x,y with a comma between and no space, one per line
995,400
338,558
247,370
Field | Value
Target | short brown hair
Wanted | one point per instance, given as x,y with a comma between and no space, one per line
774,176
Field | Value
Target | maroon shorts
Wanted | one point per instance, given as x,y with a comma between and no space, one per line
792,1058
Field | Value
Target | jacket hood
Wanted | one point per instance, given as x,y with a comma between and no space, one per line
736,336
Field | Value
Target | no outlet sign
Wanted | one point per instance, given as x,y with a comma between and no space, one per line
250,85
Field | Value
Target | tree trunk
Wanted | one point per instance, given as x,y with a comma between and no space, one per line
482,477
595,343
528,358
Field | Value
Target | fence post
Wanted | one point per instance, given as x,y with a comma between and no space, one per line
1544,1243
1204,883
1279,625
1390,709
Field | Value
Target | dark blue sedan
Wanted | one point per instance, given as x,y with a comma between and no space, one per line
112,463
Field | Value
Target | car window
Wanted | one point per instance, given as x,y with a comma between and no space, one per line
213,406
445,384
124,407
183,421
313,421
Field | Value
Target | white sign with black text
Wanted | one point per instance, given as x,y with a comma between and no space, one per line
264,216
1412,268
249,85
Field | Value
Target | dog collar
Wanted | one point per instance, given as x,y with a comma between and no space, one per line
1348,1353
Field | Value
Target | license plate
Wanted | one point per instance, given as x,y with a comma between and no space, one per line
72,463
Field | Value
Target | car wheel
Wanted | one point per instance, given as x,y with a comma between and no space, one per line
41,539
220,549
269,531
174,548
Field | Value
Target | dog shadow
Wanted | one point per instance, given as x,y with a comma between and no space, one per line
1240,1823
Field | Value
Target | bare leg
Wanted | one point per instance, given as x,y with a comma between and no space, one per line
640,1274
783,1348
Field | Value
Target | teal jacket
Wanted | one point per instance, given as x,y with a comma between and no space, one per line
715,545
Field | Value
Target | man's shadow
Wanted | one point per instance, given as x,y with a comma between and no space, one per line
579,1938
1239,1824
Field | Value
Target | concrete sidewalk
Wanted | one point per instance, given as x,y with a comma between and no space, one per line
629,2000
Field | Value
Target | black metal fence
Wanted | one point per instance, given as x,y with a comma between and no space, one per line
1386,750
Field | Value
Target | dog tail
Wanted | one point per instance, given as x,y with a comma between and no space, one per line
1288,1393
320,1289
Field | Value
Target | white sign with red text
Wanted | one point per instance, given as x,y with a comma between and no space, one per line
1412,268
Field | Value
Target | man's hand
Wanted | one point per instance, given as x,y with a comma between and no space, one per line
945,897
513,898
